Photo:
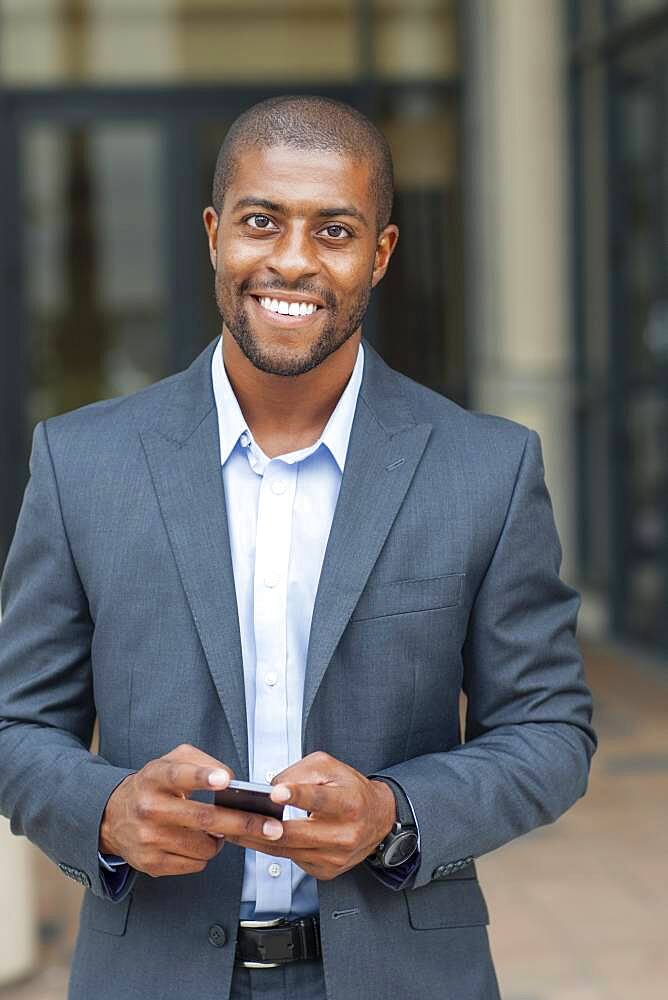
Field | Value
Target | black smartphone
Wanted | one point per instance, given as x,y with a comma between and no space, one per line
250,798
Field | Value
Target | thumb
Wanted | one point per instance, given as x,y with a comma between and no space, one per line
185,753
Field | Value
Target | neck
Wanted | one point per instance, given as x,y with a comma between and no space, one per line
287,412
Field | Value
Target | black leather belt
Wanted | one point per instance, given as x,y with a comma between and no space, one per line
265,944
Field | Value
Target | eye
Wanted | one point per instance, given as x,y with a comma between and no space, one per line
336,231
259,221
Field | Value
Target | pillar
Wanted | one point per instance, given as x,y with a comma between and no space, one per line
521,350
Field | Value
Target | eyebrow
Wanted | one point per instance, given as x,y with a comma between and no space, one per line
323,213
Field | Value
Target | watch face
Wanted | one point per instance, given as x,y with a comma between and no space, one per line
401,849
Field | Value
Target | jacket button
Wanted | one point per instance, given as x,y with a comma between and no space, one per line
217,936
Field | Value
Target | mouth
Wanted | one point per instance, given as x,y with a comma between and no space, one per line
287,310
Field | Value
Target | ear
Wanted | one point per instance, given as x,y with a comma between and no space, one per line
387,241
210,218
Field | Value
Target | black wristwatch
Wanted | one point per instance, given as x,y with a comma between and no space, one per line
401,842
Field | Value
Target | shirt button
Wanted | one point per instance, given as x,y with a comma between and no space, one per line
274,870
269,776
278,486
270,679
270,580
245,440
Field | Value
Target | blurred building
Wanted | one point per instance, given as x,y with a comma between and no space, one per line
531,149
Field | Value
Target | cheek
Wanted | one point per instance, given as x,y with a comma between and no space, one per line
351,278
236,260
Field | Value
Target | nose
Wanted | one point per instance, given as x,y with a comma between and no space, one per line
293,255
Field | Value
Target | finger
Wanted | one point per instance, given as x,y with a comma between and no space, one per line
172,810
307,834
180,777
299,835
172,864
326,800
235,824
315,768
319,865
216,821
193,755
187,843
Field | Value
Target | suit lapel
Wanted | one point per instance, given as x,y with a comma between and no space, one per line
384,451
183,453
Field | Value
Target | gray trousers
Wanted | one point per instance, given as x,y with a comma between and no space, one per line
293,981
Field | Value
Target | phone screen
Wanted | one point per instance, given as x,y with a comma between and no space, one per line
249,797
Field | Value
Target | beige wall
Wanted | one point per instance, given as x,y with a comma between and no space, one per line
18,938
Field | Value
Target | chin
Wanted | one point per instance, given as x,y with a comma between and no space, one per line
278,359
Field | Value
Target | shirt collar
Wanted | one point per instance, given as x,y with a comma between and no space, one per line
232,424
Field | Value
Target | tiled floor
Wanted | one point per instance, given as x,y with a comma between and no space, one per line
578,909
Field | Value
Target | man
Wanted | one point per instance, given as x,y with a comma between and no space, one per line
286,563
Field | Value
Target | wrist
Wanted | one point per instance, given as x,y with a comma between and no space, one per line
107,844
386,809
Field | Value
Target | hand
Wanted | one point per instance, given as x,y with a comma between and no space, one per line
151,823
349,815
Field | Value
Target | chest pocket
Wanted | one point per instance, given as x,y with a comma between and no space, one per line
400,597
456,901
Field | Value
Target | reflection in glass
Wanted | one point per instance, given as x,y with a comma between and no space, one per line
419,325
625,10
415,39
94,278
640,101
172,41
648,531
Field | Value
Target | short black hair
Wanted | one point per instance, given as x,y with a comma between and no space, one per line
309,122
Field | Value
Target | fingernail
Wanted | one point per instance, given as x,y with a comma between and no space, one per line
219,778
272,829
281,793
220,836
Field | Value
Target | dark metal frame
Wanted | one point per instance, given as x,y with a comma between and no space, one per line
602,46
615,37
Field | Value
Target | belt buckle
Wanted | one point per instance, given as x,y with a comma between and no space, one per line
277,922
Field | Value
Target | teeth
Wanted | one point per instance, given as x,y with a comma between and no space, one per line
288,308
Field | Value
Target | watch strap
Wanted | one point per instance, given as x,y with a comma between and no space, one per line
405,813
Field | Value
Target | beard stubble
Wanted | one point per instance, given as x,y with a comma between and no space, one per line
336,331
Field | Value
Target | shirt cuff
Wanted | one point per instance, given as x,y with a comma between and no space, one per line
400,877
114,874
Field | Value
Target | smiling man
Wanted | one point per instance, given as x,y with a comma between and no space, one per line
285,564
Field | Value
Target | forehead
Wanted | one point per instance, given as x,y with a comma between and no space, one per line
304,179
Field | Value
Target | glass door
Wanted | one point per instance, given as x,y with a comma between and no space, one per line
95,287
639,356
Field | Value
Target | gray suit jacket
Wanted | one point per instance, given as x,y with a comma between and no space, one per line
441,574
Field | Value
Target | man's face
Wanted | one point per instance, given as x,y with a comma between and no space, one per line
296,253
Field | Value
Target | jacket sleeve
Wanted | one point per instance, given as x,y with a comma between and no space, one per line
528,741
52,788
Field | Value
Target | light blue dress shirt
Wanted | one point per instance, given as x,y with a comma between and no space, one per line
279,514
